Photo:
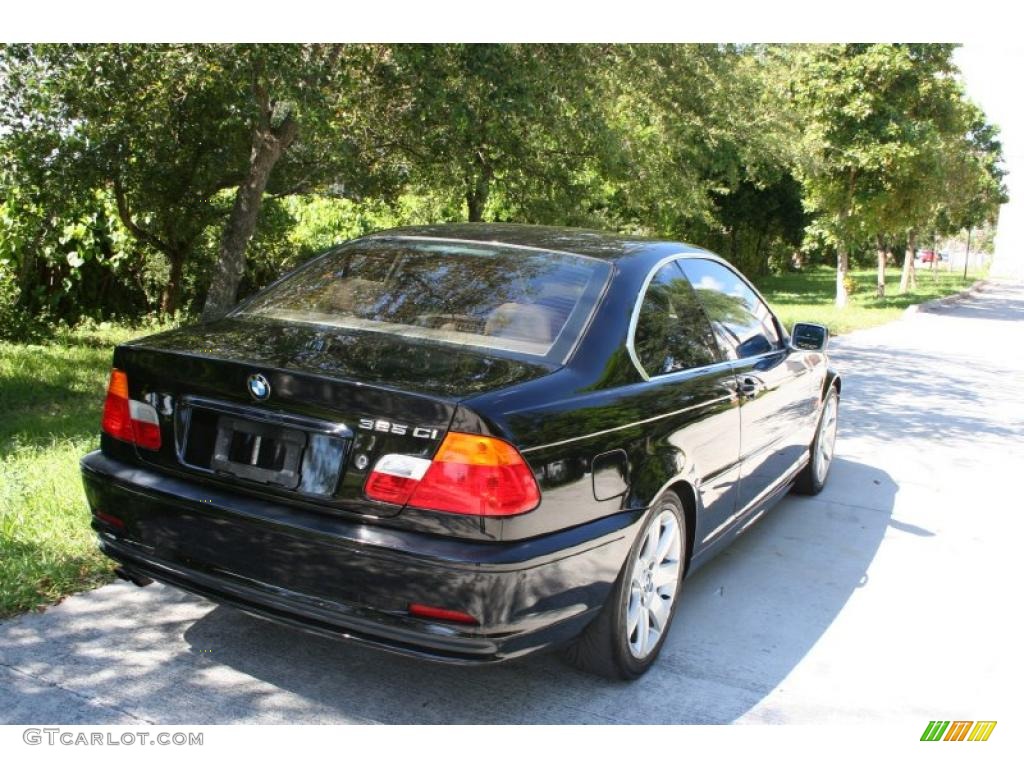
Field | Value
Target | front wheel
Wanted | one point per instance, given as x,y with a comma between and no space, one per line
812,478
626,637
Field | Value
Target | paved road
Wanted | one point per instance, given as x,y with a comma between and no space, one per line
887,598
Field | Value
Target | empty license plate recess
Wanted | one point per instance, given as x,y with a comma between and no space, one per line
261,452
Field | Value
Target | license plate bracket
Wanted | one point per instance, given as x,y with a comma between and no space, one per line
260,452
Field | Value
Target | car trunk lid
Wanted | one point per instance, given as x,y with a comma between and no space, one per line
335,402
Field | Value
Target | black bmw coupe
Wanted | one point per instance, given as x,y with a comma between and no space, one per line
465,442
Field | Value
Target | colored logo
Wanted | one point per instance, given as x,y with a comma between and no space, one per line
259,387
958,730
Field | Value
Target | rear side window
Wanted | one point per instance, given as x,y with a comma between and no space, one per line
526,302
744,326
672,333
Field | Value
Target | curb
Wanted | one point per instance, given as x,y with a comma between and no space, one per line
953,298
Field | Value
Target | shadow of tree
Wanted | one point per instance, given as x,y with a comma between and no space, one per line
44,396
982,307
896,392
33,573
745,621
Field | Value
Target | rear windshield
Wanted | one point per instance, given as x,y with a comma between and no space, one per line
514,300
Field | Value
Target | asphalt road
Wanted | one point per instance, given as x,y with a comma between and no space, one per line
891,597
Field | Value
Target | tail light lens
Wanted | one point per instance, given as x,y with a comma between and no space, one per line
395,477
470,475
129,420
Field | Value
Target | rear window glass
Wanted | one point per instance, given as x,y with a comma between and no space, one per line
516,300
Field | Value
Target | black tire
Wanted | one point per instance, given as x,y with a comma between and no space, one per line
808,483
603,647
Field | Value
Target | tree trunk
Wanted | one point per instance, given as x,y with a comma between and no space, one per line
477,192
174,251
842,252
268,145
171,294
880,251
967,253
475,202
478,187
842,269
907,277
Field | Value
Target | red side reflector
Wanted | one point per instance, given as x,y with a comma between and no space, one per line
113,520
441,614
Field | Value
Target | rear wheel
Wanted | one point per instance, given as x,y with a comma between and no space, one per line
626,637
812,478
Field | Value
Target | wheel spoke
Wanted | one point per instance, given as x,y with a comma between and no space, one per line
653,633
633,614
666,574
659,612
669,538
643,628
650,544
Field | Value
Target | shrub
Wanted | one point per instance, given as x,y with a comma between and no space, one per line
15,323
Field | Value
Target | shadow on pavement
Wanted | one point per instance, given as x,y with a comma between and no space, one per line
745,622
996,302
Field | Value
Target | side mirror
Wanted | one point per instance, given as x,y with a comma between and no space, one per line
810,336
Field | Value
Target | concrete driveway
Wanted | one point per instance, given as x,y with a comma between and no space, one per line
888,598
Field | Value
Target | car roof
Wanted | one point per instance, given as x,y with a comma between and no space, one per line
585,242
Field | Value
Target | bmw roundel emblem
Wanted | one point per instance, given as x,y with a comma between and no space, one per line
259,387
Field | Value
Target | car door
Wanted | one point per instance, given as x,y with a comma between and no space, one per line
674,347
774,380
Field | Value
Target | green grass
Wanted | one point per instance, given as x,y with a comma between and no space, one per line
809,296
51,397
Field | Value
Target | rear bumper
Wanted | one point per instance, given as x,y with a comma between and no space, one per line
350,580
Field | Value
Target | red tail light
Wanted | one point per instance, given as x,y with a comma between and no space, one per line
395,477
126,419
117,420
470,475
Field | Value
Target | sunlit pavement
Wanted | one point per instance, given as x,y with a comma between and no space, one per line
891,597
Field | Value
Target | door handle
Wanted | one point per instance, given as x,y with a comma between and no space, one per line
751,386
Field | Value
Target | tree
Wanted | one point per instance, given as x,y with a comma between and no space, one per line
309,109
838,90
155,125
512,118
166,128
157,162
973,175
757,217
886,133
694,125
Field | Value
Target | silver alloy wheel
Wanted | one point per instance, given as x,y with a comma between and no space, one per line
826,439
652,584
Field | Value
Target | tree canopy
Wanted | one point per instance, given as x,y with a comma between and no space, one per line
157,178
